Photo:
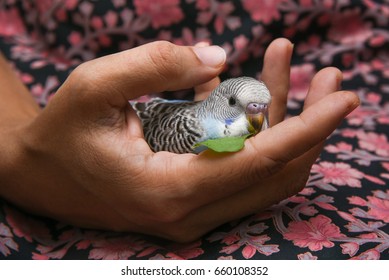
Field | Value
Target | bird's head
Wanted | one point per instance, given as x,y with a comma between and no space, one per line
241,97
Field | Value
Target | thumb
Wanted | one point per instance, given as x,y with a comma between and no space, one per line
154,67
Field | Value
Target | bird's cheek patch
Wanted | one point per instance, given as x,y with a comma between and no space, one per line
229,121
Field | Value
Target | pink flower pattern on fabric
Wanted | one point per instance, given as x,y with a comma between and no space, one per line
161,13
256,9
11,23
339,174
314,234
349,28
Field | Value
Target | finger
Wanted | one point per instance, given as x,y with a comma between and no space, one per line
154,67
275,74
326,81
202,91
218,176
202,44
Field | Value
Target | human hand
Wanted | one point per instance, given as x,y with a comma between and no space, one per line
83,159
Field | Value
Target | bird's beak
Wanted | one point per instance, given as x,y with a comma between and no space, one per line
256,115
256,122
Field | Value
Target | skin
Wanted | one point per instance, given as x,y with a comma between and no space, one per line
83,159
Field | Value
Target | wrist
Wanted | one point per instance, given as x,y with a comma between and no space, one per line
17,106
12,149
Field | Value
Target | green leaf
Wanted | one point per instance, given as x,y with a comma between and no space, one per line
226,144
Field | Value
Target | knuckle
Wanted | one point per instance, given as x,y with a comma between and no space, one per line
169,193
86,84
80,75
164,51
165,59
261,168
81,81
168,213
167,209
272,166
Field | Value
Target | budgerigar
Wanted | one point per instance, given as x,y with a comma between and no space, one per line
237,107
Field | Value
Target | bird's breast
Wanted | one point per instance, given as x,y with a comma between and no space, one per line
216,128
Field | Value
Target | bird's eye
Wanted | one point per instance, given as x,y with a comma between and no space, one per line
231,101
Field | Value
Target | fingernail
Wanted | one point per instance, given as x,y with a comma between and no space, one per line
202,44
212,56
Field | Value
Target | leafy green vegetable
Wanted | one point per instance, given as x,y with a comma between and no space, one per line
227,144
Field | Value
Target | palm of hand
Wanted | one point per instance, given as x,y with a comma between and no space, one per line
102,173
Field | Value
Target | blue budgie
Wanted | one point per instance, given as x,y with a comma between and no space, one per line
237,107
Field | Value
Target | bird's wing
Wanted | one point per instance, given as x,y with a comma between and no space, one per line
170,125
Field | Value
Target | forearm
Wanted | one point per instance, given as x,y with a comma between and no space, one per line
16,104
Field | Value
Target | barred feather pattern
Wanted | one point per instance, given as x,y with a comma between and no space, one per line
176,126
170,125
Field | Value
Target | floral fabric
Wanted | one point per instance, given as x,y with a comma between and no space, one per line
343,212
